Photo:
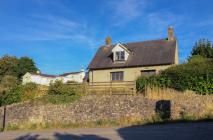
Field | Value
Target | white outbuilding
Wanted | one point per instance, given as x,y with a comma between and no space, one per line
44,79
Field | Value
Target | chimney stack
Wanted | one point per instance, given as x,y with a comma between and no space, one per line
171,36
108,41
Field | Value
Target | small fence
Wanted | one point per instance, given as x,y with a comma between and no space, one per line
124,87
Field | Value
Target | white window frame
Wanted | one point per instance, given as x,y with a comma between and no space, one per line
119,55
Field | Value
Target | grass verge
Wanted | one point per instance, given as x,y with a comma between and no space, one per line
122,122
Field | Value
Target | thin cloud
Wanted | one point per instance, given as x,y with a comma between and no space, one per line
56,4
125,11
55,28
56,22
160,20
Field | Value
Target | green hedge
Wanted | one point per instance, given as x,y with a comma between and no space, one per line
196,75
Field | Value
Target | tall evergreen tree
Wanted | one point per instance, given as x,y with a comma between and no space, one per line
204,48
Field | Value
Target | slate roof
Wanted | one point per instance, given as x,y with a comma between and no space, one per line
53,76
66,74
45,75
146,53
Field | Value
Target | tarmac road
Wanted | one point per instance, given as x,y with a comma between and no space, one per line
175,131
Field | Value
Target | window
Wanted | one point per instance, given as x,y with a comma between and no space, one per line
117,76
120,56
148,72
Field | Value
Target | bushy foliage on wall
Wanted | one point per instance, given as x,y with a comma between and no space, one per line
196,75
19,93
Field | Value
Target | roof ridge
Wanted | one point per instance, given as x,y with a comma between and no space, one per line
146,41
75,72
42,74
126,43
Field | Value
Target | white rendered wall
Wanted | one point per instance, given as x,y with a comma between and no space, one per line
41,80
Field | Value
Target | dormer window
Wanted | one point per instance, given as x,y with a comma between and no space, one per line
119,56
120,53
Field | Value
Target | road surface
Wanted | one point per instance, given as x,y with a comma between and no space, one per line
176,131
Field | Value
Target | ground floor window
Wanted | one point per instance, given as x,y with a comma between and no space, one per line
148,72
117,76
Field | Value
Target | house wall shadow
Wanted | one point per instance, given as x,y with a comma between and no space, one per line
61,136
29,137
173,131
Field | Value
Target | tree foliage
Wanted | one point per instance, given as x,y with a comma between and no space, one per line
25,65
58,88
13,95
19,93
204,48
17,67
196,75
59,93
8,65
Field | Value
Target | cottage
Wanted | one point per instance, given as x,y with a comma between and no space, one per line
128,61
44,79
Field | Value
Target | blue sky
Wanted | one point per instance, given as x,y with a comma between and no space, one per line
63,35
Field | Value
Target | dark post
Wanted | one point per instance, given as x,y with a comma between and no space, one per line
4,118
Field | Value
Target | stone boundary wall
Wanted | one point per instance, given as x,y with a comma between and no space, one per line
99,107
198,106
89,108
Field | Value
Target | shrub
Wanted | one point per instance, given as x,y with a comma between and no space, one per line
9,81
19,93
29,91
196,75
60,93
59,99
58,88
141,83
11,96
6,82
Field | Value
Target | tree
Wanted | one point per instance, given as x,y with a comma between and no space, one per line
25,65
203,47
11,65
8,65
